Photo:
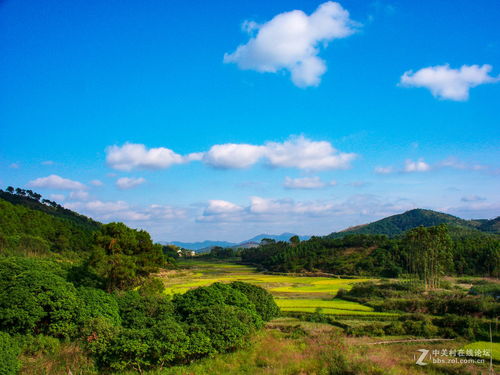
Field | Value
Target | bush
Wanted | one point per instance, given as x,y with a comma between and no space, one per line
227,327
98,303
41,302
40,344
9,351
418,325
217,294
264,302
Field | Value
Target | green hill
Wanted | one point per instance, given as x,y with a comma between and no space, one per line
29,225
398,224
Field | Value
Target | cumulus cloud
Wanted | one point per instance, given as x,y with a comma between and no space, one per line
447,83
416,166
296,152
137,156
232,155
291,41
306,183
57,182
124,183
217,207
302,153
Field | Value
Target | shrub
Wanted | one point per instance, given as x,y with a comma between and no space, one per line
98,303
41,302
40,344
227,327
264,302
9,351
217,294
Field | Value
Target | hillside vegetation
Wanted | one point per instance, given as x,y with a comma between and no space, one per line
398,224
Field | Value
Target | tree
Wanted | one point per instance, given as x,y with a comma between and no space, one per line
428,253
122,256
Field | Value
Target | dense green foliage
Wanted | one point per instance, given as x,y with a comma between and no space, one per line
28,226
9,350
428,253
379,255
122,256
127,329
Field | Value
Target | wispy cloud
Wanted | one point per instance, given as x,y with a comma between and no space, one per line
291,41
57,182
124,183
306,183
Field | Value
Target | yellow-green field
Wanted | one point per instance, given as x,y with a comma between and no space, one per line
493,348
292,293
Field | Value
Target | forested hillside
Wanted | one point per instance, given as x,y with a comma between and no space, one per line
398,224
31,225
375,254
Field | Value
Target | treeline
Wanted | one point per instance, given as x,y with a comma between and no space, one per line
378,255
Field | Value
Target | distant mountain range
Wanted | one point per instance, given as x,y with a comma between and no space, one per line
398,224
205,245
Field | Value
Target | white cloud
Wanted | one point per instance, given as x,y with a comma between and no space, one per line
56,182
384,170
129,182
304,183
416,166
231,155
296,152
447,83
79,195
137,156
96,182
291,41
122,211
216,207
302,153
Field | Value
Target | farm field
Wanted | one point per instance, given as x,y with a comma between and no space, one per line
292,293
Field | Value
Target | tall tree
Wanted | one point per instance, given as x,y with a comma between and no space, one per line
428,253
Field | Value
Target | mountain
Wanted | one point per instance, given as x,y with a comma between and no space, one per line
207,245
398,224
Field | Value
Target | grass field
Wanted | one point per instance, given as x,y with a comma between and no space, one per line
493,348
292,293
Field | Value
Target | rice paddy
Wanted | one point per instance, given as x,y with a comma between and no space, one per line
292,293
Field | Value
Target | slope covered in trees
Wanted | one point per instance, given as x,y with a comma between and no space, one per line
376,255
28,225
398,224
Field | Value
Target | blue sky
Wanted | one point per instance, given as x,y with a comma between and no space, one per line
218,120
